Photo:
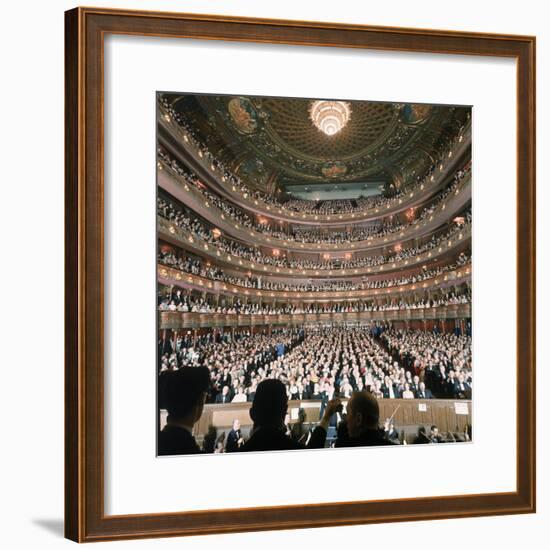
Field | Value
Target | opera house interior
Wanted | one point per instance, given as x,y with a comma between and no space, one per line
322,244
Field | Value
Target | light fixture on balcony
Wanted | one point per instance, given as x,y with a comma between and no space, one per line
330,116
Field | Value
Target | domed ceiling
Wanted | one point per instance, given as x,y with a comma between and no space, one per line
273,142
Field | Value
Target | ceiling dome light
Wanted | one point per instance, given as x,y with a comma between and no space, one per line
330,116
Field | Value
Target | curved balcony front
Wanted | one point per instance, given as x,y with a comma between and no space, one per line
169,276
181,238
179,320
187,194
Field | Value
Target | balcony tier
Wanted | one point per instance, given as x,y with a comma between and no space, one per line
170,276
184,239
179,320
187,194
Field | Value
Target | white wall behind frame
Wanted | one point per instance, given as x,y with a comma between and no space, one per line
135,69
31,468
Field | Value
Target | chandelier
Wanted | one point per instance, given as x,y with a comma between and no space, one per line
329,116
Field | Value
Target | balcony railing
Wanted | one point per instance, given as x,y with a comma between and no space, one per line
180,320
170,276
172,233
188,194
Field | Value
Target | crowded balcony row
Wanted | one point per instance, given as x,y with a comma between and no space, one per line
354,283
235,222
231,255
176,299
399,258
172,299
296,232
427,279
173,216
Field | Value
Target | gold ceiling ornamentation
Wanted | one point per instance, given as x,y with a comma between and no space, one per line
277,142
289,127
330,117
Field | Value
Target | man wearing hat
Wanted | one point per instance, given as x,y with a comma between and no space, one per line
183,394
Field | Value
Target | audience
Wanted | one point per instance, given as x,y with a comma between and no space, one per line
183,392
443,361
323,362
358,232
174,300
199,230
197,267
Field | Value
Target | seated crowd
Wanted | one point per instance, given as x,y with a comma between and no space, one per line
319,363
444,360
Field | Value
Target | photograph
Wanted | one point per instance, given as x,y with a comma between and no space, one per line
314,273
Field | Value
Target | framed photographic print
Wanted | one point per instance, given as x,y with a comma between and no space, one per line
295,247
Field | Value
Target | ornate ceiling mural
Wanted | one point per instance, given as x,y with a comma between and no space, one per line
415,113
243,115
274,141
289,125
334,170
254,169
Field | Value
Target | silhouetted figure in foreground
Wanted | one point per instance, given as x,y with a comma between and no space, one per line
361,426
421,437
268,413
185,392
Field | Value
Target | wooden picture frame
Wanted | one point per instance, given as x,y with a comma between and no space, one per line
86,28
